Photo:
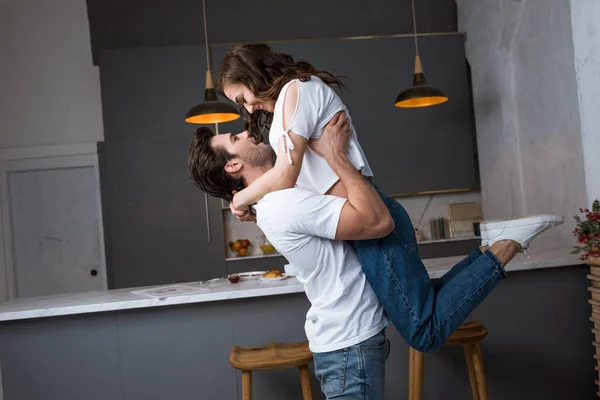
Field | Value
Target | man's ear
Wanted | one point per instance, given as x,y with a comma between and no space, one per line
233,166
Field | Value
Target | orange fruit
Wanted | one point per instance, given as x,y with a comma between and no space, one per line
236,246
243,251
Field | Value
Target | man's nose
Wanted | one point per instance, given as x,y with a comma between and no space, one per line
249,108
245,134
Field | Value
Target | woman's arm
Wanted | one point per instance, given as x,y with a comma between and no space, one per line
284,174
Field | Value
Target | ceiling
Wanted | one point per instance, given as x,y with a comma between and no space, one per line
116,24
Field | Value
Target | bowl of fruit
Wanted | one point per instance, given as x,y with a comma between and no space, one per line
241,247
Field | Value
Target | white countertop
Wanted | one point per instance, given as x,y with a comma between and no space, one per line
124,299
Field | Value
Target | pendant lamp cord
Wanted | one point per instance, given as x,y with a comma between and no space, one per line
414,26
206,34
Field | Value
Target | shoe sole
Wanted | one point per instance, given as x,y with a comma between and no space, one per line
519,222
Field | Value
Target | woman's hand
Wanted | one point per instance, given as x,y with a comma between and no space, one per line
242,214
334,140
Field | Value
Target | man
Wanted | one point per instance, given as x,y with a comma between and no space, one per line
345,324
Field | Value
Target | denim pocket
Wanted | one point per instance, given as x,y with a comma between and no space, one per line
375,342
330,369
372,356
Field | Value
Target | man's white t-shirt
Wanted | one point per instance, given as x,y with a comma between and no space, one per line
302,224
317,104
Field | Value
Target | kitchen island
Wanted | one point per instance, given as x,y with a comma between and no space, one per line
119,345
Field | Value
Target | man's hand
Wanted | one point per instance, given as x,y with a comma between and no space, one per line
243,214
334,140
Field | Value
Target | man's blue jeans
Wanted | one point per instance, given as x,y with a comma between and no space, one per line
425,314
356,372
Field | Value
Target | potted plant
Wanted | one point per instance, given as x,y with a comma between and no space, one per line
587,231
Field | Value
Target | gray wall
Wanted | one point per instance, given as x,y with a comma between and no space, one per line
538,348
526,109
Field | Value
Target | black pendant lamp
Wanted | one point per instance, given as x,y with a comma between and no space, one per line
211,110
420,94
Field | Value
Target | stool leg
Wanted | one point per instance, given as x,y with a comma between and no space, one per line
417,386
411,373
246,385
305,381
469,351
479,372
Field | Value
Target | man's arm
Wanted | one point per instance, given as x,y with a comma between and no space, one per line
364,215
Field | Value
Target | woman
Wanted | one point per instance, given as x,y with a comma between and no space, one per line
295,100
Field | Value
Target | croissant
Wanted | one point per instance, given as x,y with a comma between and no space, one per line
272,273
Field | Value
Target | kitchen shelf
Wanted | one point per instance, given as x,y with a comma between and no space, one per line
253,257
280,255
449,240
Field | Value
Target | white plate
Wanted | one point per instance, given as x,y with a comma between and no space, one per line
260,278
250,275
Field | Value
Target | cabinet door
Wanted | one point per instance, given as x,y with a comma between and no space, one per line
410,150
157,228
149,90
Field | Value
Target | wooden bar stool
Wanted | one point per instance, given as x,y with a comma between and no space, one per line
272,356
469,334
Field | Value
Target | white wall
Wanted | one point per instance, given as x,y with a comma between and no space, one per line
526,109
49,98
50,90
585,17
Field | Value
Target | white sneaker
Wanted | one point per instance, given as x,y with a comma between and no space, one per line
483,235
520,229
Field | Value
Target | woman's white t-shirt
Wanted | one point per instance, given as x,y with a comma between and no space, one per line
317,104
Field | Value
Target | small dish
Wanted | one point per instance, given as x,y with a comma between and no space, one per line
249,276
279,278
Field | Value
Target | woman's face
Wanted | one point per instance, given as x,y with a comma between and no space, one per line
241,95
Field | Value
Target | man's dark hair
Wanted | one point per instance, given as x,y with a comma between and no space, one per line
206,166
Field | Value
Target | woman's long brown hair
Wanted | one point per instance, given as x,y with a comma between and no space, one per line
264,72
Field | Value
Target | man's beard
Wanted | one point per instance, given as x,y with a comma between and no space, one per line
259,157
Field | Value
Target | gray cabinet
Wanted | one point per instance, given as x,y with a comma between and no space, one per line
410,150
156,223
61,358
146,91
186,355
158,227
157,230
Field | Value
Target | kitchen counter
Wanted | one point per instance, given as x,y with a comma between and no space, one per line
67,347
124,299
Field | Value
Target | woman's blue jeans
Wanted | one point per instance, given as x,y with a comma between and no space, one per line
424,313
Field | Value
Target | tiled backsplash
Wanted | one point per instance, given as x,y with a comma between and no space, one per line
416,206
